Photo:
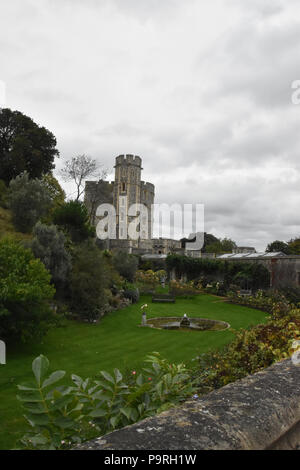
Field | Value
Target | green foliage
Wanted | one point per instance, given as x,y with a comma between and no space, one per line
273,302
254,275
251,351
72,216
56,193
29,200
24,293
63,416
48,245
183,289
125,264
221,246
24,146
277,246
148,281
292,294
294,246
88,281
132,294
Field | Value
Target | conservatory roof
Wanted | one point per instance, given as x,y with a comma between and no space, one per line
251,255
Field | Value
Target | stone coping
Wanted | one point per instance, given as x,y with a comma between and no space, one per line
258,412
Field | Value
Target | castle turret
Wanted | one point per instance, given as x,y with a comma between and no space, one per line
129,189
126,190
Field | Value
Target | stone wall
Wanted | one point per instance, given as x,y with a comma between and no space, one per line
284,271
261,411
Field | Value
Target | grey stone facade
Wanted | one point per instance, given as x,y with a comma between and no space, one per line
125,190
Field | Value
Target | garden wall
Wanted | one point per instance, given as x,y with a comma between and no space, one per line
261,411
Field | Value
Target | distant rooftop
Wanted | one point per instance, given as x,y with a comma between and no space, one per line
277,254
153,256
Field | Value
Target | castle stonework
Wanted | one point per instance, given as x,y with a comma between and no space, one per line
126,190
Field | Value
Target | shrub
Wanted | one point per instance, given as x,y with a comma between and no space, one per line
147,280
272,302
29,200
73,217
292,294
254,275
251,351
63,416
88,281
126,265
25,291
132,294
183,289
48,245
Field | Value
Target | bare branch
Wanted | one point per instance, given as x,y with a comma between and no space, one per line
81,167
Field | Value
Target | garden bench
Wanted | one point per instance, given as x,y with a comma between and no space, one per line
164,298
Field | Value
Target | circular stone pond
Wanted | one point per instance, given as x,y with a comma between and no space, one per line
179,323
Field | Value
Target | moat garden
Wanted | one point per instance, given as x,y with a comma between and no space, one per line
117,341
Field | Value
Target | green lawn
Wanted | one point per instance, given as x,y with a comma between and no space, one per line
117,341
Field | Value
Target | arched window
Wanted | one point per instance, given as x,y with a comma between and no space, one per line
123,186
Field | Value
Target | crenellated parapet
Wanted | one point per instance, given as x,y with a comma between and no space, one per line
129,159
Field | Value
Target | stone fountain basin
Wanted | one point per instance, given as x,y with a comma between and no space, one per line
196,324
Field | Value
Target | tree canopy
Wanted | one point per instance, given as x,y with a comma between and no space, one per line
24,146
25,291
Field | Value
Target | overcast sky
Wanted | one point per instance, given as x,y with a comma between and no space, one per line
201,90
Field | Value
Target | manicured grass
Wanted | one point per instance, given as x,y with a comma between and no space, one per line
117,341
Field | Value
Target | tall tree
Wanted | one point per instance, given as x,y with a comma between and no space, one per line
294,246
79,168
278,245
24,146
48,245
29,200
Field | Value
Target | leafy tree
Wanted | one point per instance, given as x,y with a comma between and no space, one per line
88,281
126,265
215,247
79,168
54,189
294,246
25,292
24,146
276,246
209,239
29,200
228,245
49,246
73,217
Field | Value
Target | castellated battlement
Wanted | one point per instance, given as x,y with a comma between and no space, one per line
145,186
129,159
92,185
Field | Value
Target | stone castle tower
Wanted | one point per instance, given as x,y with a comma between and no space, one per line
127,189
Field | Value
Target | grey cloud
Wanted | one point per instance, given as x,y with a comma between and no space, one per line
202,97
